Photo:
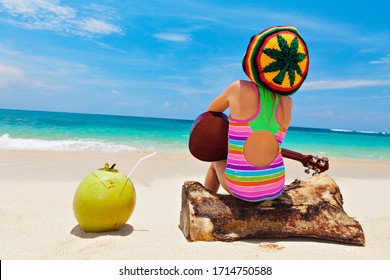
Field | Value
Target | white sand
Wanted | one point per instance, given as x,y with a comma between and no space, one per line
37,221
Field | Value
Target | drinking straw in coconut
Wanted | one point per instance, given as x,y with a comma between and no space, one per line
138,162
134,167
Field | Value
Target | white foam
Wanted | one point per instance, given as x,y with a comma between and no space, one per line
358,131
9,143
341,130
368,132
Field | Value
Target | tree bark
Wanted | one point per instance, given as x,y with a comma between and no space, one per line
311,208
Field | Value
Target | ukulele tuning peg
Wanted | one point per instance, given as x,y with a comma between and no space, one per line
307,171
317,170
322,163
314,159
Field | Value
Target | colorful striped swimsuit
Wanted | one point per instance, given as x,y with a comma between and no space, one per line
245,180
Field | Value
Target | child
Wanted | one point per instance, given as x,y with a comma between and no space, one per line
276,61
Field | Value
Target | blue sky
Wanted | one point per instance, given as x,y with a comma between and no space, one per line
171,58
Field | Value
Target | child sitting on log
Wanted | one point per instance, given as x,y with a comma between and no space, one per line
276,62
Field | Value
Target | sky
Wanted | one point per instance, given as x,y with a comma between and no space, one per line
170,59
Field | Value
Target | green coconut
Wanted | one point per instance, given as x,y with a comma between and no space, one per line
104,200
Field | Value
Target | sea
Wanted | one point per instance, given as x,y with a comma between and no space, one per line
55,131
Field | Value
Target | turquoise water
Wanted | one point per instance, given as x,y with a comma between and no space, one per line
32,130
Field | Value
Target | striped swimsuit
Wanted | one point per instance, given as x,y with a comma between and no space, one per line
245,180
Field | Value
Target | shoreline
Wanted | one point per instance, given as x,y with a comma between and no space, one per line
37,221
126,160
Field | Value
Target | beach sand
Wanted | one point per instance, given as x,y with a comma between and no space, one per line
37,221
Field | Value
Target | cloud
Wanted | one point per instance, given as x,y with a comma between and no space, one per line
16,76
382,60
51,15
343,84
9,74
166,104
96,26
32,8
9,70
323,114
7,51
173,37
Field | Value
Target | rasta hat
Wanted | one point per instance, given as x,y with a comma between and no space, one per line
277,59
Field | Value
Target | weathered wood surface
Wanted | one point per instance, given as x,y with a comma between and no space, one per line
311,208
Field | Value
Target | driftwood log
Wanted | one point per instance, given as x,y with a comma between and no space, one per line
310,208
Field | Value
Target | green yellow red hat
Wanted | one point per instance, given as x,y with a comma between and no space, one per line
277,58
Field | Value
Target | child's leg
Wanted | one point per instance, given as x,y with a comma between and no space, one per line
216,176
211,181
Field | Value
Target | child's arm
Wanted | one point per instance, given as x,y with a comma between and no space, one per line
221,102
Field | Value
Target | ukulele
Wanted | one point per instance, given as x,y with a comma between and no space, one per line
209,142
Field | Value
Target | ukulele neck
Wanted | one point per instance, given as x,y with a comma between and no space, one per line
292,155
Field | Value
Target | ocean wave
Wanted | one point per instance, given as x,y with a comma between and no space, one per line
9,143
368,132
358,131
340,130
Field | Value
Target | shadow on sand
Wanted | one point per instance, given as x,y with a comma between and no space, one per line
126,230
